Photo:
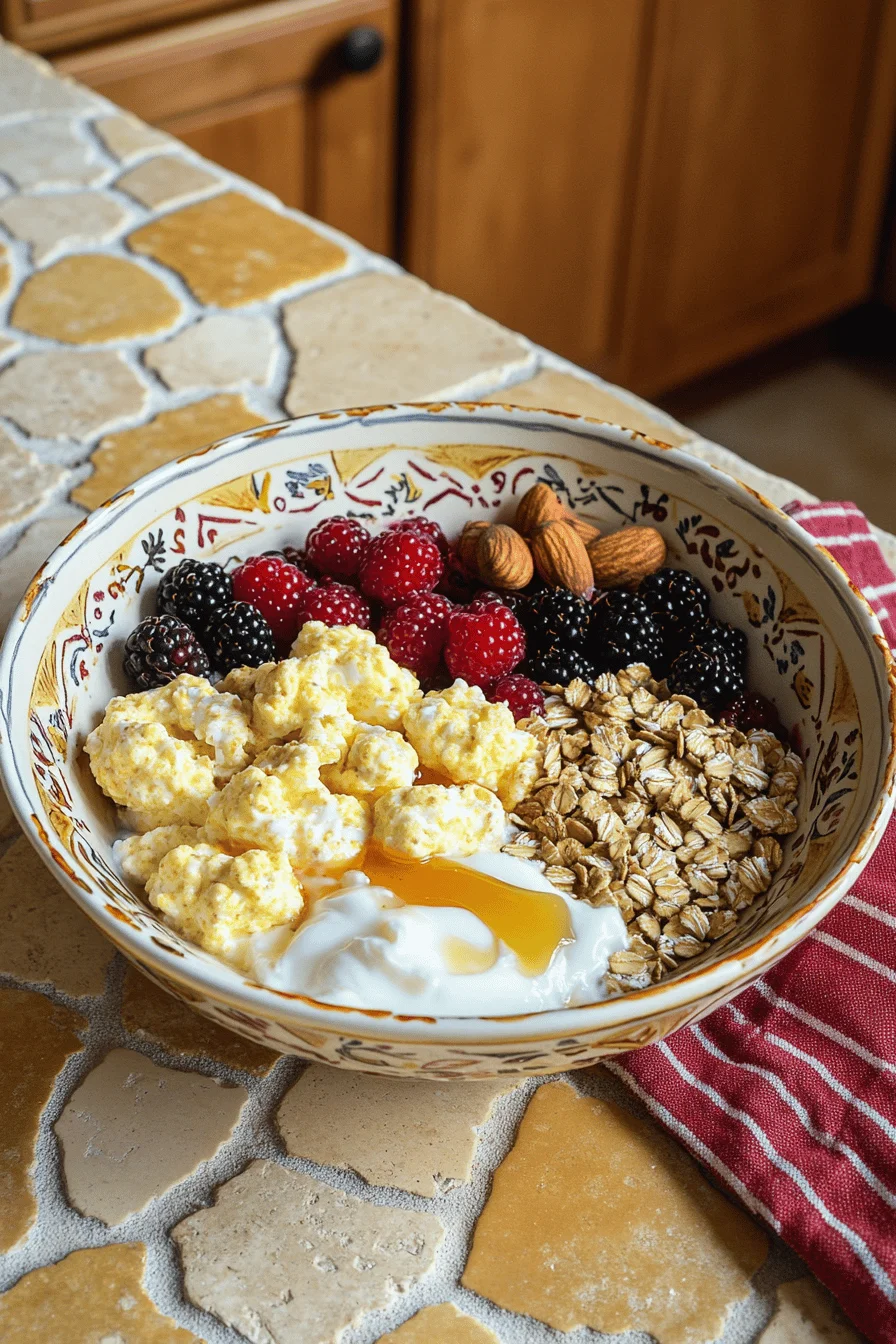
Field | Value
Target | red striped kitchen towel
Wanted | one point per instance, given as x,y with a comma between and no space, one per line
788,1093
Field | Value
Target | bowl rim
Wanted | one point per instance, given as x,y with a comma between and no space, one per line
734,971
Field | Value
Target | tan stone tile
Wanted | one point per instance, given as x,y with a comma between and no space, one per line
28,84
555,391
65,219
285,1258
217,351
380,338
47,152
71,394
419,1136
36,1038
231,250
90,297
90,1297
27,481
590,1196
20,564
131,1130
43,934
122,457
127,138
807,1314
149,1012
166,180
441,1325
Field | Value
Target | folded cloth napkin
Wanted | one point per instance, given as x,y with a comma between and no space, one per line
788,1093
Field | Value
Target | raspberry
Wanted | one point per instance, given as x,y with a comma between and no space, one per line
456,582
335,547
274,587
484,644
334,604
397,564
750,711
423,527
415,633
160,649
521,695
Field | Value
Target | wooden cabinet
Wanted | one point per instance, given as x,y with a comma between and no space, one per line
265,92
52,25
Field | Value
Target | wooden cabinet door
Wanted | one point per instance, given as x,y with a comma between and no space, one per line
265,93
522,121
767,134
51,25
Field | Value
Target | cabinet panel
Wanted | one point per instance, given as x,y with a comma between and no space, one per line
51,25
264,93
523,115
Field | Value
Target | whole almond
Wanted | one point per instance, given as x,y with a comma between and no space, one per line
587,531
625,558
561,558
538,505
467,545
503,558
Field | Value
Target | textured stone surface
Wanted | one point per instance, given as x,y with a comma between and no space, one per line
48,152
379,338
595,1219
90,1297
69,394
22,562
806,1314
417,1135
165,180
6,346
441,1325
43,934
66,219
149,1012
286,1259
27,482
36,1038
217,351
231,250
127,138
555,391
28,85
121,458
89,298
131,1130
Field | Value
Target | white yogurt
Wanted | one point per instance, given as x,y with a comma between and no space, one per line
363,947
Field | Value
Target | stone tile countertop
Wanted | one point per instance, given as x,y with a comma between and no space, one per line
162,1181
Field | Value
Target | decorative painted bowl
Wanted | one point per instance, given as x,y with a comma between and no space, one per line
815,647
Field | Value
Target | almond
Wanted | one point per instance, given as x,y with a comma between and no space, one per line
561,558
503,558
467,545
625,558
587,531
538,505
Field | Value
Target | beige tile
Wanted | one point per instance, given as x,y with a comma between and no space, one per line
118,1132
43,934
231,250
807,1314
121,458
58,394
380,338
90,297
27,481
283,1258
36,1038
217,351
594,1219
166,180
90,1297
149,1012
441,1325
556,391
47,152
127,138
34,545
419,1136
28,84
66,219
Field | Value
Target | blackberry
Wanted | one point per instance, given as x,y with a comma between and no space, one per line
678,603
240,637
557,616
709,676
624,631
717,637
160,649
195,592
558,665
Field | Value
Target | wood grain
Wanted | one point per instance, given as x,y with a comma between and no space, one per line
53,25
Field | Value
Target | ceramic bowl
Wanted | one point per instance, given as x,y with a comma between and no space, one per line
815,647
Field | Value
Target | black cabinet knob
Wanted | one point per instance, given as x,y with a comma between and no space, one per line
363,48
